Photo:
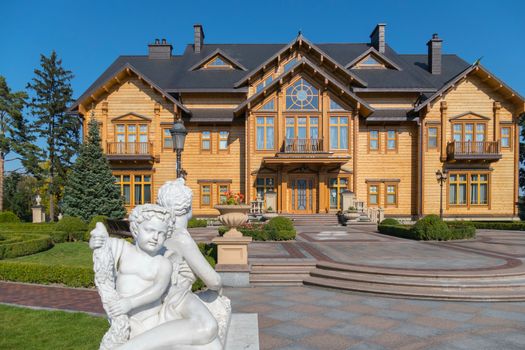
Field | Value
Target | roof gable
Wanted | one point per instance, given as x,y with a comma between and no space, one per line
132,116
376,56
217,54
469,116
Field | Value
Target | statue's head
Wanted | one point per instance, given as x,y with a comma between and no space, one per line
177,197
150,226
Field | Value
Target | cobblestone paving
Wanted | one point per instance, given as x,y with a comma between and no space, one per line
311,318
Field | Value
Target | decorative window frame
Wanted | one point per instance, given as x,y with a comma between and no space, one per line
265,125
506,126
164,137
395,139
378,194
396,193
468,174
438,137
220,138
202,194
202,139
132,184
370,149
339,125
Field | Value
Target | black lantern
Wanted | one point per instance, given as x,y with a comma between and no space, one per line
178,136
441,177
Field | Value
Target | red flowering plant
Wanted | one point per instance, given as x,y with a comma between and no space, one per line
233,198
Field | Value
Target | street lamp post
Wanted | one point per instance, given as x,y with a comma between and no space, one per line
441,178
178,136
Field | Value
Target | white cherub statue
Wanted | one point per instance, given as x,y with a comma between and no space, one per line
146,287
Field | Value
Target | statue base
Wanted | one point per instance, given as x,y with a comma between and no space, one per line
234,275
243,333
232,250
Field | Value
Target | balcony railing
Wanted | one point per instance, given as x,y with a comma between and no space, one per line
474,150
303,145
129,149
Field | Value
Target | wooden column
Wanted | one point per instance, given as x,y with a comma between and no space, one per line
324,119
516,148
443,110
496,108
280,123
355,146
247,155
322,184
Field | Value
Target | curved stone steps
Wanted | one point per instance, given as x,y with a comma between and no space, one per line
486,285
280,273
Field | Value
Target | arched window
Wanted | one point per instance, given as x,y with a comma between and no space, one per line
302,96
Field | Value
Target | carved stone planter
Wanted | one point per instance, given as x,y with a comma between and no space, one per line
351,216
233,216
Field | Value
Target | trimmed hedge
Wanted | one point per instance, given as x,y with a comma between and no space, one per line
72,276
8,216
21,244
281,223
194,222
495,225
278,231
430,228
390,221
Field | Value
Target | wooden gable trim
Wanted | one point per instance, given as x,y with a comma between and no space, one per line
210,57
377,55
460,116
300,41
123,116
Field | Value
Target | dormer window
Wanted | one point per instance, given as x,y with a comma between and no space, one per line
369,62
218,62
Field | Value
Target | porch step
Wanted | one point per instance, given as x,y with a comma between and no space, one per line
313,219
463,285
280,272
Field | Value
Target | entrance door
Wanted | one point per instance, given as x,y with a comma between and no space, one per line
303,194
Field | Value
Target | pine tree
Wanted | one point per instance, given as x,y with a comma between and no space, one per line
61,130
14,137
90,188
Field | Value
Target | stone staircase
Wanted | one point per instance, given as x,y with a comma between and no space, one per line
489,285
313,219
280,272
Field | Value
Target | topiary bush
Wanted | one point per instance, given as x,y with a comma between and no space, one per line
389,221
461,229
281,223
91,226
194,222
70,228
402,231
431,227
8,216
72,276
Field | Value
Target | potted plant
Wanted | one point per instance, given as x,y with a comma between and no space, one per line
233,213
351,214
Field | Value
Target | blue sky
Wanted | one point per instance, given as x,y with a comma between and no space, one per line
88,36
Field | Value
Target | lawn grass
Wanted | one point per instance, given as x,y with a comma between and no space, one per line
67,254
23,328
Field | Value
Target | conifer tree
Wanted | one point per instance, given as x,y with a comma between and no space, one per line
90,187
52,94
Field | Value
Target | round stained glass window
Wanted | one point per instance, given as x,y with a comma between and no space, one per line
302,96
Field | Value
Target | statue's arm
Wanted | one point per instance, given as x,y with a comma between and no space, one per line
187,247
158,287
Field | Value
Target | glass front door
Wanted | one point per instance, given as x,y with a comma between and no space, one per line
303,194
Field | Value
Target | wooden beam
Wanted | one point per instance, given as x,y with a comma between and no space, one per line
105,89
93,97
487,78
128,71
322,58
117,79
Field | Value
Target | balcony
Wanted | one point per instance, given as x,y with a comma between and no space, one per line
129,150
303,146
473,150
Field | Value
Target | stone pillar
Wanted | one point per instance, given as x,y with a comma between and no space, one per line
271,200
232,264
348,199
38,214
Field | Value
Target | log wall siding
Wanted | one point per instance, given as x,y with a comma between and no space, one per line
471,95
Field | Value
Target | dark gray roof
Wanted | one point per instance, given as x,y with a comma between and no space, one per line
175,75
390,115
211,115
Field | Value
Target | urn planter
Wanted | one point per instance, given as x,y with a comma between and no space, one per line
351,216
233,216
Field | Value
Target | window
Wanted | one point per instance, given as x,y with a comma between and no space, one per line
373,195
223,140
339,133
264,133
264,83
505,137
205,196
167,140
469,131
131,132
391,195
302,134
373,140
218,62
269,106
336,187
135,188
222,191
206,141
479,184
302,96
289,65
391,140
263,185
334,106
370,61
432,137
458,189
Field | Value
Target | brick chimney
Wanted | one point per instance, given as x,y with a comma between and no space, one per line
160,50
434,54
377,38
198,38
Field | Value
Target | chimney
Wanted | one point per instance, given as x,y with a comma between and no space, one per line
159,50
377,38
198,38
434,54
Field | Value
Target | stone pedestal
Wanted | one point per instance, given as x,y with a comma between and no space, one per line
38,214
270,199
232,264
348,200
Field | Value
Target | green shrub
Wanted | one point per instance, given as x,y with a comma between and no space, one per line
500,225
74,228
210,253
461,229
431,227
8,216
278,230
21,244
389,221
285,235
71,276
402,231
91,226
194,222
281,223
